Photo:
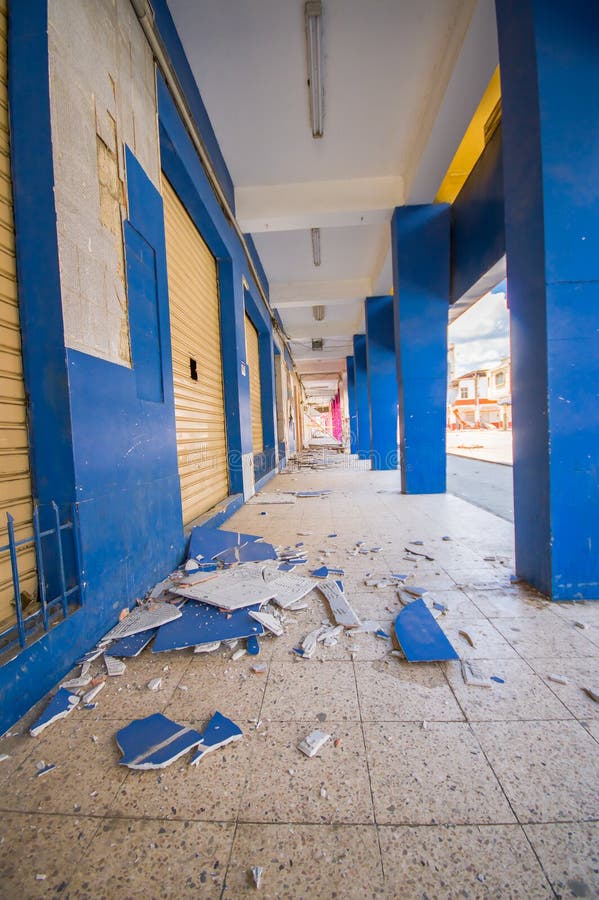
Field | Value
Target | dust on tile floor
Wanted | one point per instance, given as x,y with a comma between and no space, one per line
427,786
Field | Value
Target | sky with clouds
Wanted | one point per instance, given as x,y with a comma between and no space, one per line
481,335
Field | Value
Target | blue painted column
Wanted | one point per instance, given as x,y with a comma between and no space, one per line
382,381
549,57
363,411
351,400
420,247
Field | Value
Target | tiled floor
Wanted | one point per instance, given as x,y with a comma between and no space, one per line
431,789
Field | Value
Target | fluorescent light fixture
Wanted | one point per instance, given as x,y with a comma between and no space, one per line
315,232
318,313
313,10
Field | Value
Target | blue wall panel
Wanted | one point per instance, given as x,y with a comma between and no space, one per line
362,405
420,249
382,381
351,401
477,220
549,76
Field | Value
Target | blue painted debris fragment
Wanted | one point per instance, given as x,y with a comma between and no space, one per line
497,679
399,577
311,493
323,572
208,542
131,646
201,623
219,731
382,634
440,606
61,704
255,551
419,635
336,571
252,646
154,742
332,535
287,567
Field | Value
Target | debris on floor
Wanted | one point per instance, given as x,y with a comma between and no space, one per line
264,498
420,637
559,679
154,742
61,704
114,666
472,675
313,742
340,606
256,872
218,732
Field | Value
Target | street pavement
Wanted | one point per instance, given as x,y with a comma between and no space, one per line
485,484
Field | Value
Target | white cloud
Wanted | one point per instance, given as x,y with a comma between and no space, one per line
481,335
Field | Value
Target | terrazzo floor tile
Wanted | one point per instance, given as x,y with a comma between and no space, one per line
593,728
580,673
217,683
488,642
432,775
285,786
548,636
38,853
302,689
153,859
87,774
548,770
569,854
398,691
129,695
209,791
313,861
474,861
523,695
507,603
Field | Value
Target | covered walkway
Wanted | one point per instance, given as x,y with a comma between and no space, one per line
427,788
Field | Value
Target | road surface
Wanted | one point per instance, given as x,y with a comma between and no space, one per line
485,484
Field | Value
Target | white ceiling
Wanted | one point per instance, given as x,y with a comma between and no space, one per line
402,79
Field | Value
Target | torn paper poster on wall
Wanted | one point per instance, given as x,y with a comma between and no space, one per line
154,742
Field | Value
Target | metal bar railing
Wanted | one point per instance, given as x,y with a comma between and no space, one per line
25,626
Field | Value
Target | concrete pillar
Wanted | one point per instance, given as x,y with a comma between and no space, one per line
382,381
420,248
549,76
351,401
363,411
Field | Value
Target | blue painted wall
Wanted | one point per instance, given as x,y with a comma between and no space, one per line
103,435
362,405
264,462
477,220
420,249
549,75
351,401
382,381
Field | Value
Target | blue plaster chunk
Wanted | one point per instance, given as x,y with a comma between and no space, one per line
382,634
497,679
219,731
209,542
419,635
154,742
201,623
323,572
337,571
287,567
332,535
440,606
131,646
61,704
252,645
399,577
311,493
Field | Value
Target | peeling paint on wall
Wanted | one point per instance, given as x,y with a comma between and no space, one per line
103,96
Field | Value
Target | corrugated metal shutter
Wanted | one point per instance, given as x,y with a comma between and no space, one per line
253,360
15,476
195,336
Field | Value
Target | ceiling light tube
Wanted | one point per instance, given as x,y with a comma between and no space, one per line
313,11
315,232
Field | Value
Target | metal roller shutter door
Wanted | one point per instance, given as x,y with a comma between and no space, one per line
15,475
195,335
253,360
